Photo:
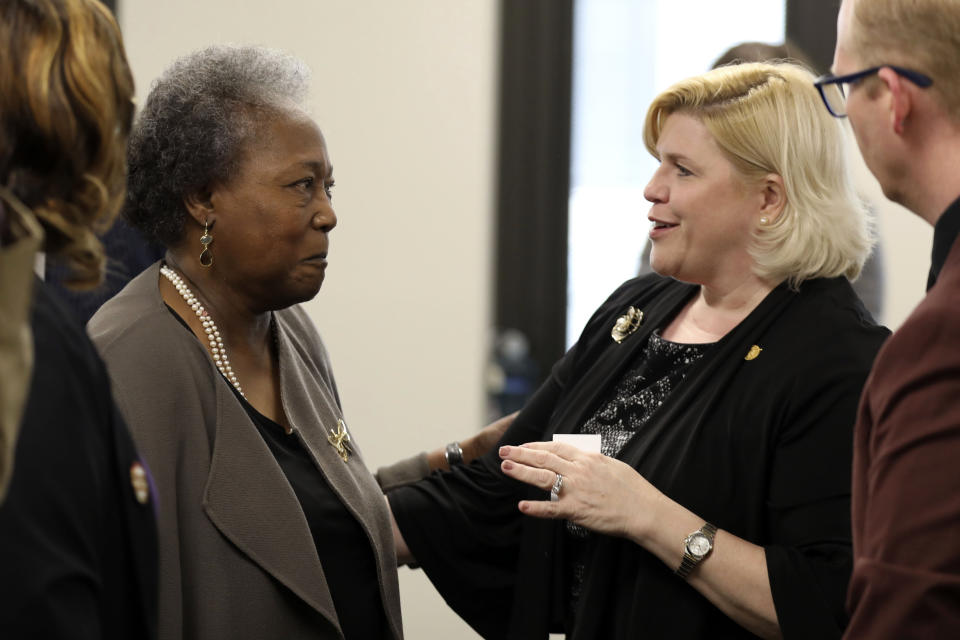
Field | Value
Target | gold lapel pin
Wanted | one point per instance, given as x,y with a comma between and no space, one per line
626,324
339,439
753,353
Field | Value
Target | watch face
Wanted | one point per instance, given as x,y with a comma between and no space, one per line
698,545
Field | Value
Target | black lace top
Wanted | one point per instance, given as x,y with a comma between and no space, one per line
661,366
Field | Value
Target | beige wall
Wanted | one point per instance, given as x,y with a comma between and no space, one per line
907,241
405,94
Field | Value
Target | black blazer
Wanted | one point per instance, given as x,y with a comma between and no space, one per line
77,545
759,447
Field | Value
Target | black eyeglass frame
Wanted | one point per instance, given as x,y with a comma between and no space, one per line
915,77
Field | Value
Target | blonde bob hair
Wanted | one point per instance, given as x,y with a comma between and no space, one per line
768,118
65,115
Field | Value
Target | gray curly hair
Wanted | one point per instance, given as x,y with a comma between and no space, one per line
199,117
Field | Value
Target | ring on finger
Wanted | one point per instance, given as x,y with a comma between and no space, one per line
555,489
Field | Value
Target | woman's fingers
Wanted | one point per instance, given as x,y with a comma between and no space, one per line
540,478
542,509
539,464
554,456
562,449
600,493
529,457
592,493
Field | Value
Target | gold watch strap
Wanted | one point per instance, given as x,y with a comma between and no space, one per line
690,561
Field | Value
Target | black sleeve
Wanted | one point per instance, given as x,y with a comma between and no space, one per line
808,509
463,526
68,569
50,524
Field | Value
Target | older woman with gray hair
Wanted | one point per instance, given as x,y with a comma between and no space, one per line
270,524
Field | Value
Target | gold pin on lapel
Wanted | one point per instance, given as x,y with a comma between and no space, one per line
753,353
339,439
138,480
626,324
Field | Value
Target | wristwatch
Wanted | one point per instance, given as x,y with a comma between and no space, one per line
696,547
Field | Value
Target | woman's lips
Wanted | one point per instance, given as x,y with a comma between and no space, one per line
660,228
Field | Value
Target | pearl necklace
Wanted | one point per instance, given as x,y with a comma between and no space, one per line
217,350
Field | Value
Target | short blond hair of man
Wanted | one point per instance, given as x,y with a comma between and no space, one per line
923,35
768,118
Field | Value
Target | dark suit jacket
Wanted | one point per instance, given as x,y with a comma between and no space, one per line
237,558
906,477
77,548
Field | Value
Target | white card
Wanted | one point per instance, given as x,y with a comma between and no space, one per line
589,442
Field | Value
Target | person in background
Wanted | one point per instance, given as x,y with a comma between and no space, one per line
77,529
20,238
126,252
869,286
723,393
894,78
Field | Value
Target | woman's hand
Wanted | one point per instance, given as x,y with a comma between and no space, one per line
610,497
600,493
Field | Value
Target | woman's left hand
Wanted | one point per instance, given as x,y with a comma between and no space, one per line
610,497
600,493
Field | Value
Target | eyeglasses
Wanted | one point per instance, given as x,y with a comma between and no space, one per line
834,90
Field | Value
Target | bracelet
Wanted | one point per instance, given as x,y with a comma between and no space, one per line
453,454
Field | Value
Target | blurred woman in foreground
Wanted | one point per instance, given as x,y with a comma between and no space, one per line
77,538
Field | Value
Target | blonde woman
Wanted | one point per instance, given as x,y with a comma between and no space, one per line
723,390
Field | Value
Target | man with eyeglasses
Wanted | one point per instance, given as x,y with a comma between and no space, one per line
896,78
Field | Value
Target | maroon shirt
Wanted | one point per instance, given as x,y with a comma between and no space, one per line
906,469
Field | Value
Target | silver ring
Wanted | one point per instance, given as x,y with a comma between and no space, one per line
555,490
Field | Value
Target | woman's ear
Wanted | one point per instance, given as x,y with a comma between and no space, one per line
774,197
199,205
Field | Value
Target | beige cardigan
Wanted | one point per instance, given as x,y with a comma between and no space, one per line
237,559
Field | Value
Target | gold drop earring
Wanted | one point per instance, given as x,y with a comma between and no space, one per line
206,257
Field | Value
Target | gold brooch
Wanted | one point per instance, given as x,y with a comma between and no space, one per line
753,353
626,324
339,439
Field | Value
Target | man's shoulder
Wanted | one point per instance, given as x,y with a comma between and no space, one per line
922,357
933,328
